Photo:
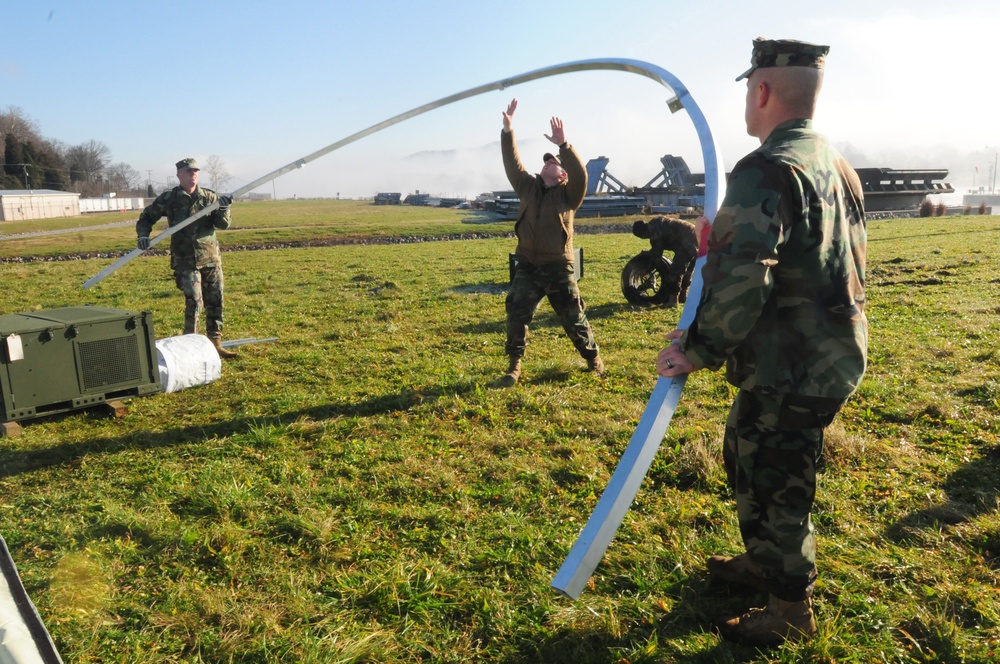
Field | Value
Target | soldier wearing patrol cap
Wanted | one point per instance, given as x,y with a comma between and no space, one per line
194,250
783,307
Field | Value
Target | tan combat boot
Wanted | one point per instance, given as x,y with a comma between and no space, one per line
224,353
513,373
596,365
778,622
739,570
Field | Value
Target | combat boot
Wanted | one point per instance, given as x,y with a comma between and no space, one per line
513,373
778,622
224,353
596,364
739,570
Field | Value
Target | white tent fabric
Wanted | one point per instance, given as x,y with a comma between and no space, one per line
187,361
23,637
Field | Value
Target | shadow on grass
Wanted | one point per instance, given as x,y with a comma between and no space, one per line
16,462
972,490
677,634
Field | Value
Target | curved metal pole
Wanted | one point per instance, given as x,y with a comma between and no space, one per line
624,484
658,74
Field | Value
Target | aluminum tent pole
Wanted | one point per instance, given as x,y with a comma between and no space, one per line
611,64
624,484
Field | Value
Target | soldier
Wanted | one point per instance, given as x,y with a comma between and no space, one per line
679,237
544,229
783,307
194,250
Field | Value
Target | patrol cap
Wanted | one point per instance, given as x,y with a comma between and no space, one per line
785,53
548,156
188,163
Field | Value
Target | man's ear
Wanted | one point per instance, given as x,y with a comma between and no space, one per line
763,93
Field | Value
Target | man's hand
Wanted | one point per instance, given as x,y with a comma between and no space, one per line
671,361
143,243
225,201
508,116
557,137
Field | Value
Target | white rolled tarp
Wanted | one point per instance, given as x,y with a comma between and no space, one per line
187,361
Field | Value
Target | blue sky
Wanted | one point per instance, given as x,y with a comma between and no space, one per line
260,84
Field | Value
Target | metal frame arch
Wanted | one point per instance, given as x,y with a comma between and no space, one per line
714,175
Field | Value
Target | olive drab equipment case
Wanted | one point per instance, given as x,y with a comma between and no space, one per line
58,360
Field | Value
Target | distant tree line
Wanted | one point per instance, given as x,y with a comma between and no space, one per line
31,161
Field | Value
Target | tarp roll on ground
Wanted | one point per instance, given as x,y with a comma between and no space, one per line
23,637
187,361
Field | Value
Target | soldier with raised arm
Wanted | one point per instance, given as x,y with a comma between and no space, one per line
544,229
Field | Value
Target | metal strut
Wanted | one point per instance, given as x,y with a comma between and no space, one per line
661,76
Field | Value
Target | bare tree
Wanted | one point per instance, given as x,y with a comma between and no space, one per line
217,173
87,161
123,177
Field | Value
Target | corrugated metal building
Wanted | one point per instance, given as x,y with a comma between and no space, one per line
25,204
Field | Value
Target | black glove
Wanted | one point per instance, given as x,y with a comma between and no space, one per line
143,243
224,201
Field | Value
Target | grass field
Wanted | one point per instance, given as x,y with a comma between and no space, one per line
362,491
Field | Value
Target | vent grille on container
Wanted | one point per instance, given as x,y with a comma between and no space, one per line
109,361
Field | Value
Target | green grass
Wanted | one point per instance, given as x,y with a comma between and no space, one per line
361,491
269,223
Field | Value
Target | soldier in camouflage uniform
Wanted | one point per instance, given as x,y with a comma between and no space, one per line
194,250
783,307
544,254
678,236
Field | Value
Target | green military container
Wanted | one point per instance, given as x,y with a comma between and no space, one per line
58,360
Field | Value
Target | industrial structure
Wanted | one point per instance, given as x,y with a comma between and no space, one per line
891,192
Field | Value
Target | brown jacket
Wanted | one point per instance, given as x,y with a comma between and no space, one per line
544,225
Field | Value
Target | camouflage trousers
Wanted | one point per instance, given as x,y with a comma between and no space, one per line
203,290
773,444
556,282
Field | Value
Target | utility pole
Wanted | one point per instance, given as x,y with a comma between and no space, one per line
993,186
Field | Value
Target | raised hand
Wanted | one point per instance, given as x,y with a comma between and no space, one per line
558,136
508,116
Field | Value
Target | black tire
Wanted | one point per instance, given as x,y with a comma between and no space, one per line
644,278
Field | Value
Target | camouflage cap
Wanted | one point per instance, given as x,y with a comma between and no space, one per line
548,156
188,163
785,53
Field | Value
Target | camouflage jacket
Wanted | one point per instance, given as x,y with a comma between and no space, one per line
544,225
784,282
194,246
674,235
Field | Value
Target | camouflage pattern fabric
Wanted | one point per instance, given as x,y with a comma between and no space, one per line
772,447
678,236
556,282
203,290
784,294
194,252
785,53
196,245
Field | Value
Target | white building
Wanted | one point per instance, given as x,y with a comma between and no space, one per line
25,204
